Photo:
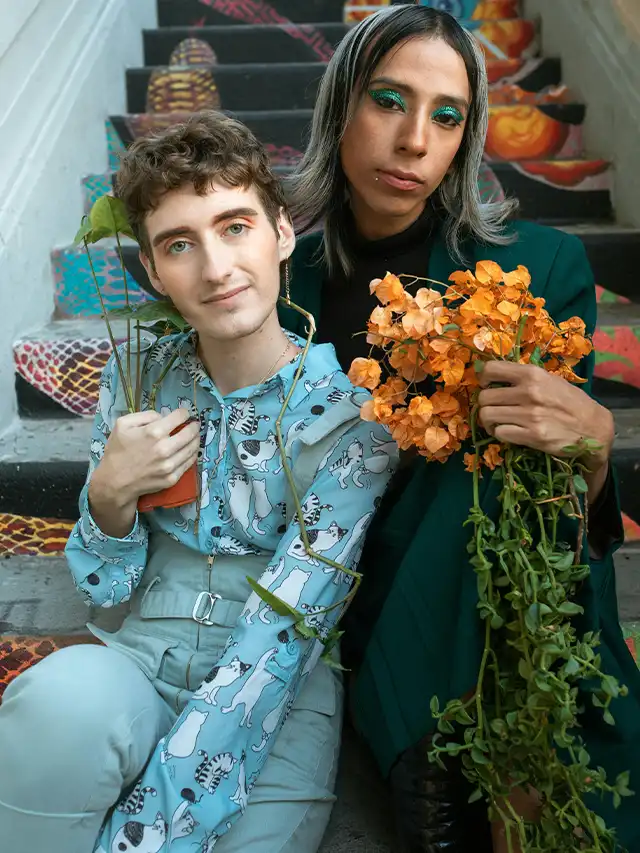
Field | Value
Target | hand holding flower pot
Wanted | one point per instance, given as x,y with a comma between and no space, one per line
154,319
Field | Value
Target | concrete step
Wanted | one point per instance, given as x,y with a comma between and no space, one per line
517,132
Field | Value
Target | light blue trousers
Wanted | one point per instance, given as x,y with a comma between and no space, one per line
78,729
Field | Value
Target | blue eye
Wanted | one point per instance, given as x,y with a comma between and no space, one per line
178,248
388,99
237,225
452,114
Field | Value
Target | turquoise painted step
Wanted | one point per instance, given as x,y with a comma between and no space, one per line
75,293
95,186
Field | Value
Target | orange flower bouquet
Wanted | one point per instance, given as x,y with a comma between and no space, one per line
518,730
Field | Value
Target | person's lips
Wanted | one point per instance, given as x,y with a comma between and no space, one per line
228,294
400,180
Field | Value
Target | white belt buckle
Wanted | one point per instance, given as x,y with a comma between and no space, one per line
211,597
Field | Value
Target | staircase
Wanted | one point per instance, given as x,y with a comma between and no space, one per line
263,61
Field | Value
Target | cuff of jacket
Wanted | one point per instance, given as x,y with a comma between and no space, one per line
95,540
606,530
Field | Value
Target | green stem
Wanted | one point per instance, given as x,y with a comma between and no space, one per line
125,381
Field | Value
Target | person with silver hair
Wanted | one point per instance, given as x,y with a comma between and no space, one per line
389,181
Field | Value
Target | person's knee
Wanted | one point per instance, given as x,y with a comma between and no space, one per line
71,717
76,692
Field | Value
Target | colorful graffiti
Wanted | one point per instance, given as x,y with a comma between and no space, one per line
67,370
618,353
526,132
31,537
357,10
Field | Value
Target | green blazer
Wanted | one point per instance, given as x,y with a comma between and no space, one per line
427,637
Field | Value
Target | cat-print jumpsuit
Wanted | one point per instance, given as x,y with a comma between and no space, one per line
241,689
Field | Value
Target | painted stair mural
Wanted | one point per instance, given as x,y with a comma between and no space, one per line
263,61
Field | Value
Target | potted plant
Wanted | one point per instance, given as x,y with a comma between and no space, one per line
108,219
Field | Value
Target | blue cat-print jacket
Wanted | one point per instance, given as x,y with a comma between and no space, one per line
242,499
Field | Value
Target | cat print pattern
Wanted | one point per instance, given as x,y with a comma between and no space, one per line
199,779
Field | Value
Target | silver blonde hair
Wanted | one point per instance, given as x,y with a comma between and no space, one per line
318,187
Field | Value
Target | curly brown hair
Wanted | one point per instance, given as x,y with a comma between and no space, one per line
209,146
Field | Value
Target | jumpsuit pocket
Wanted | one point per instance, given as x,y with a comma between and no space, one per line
146,650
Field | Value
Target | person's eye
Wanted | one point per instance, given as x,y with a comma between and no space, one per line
179,247
448,116
236,229
388,99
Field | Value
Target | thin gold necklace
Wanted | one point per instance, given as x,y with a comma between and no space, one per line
271,369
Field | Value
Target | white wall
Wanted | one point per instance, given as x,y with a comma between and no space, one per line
599,43
62,68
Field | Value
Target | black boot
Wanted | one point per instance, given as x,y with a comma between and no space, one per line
431,806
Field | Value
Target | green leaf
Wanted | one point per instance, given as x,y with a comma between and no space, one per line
151,312
83,231
434,705
583,757
332,663
305,631
276,604
532,618
108,217
475,796
496,622
569,608
607,716
479,757
535,357
580,484
571,667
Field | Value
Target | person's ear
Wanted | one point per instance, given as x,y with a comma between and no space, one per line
150,267
286,237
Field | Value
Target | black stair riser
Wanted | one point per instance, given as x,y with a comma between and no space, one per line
51,490
278,87
239,44
33,403
282,129
616,395
42,490
615,259
187,13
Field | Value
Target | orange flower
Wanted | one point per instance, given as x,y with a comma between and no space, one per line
471,462
411,365
520,279
488,272
492,457
453,372
444,404
393,392
509,310
376,410
458,427
365,373
478,305
420,409
435,438
389,291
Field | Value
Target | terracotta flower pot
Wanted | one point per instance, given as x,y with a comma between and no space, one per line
185,491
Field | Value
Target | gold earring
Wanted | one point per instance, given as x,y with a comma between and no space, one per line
287,282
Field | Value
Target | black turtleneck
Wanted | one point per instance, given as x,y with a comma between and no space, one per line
347,303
